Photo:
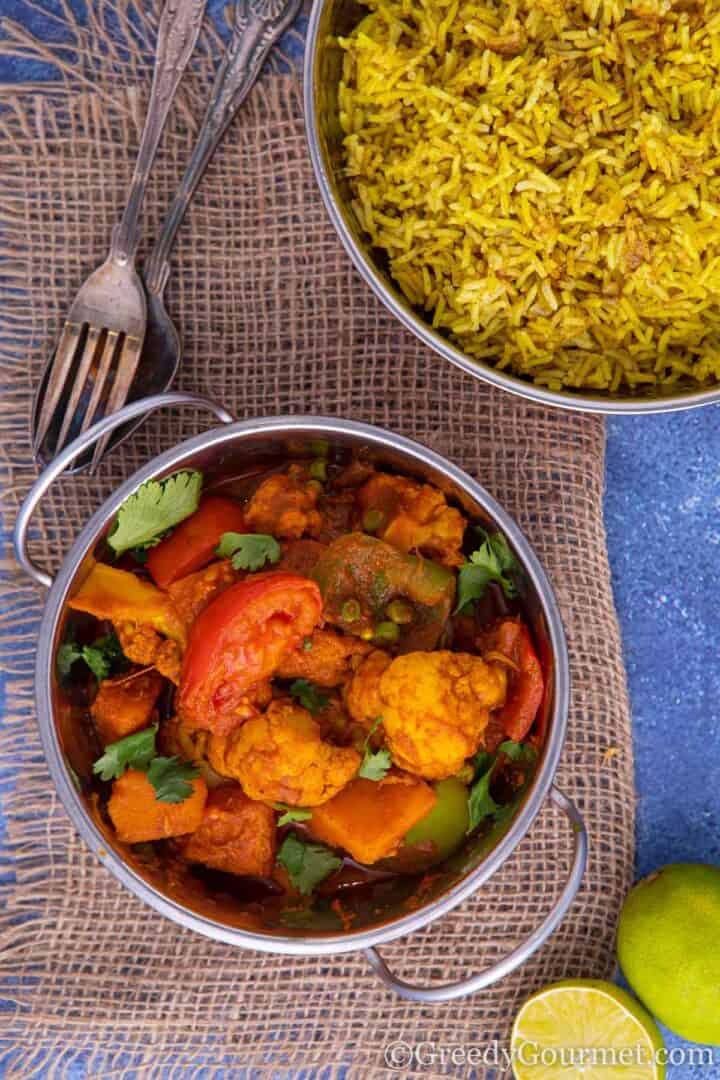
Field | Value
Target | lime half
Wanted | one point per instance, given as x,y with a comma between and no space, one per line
585,1029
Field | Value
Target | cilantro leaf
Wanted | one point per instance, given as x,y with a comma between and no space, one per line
482,760
67,654
99,657
248,551
102,654
471,584
515,750
292,813
170,777
481,803
132,752
375,764
492,561
307,864
156,506
308,695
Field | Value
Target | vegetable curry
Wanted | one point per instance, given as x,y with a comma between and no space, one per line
296,694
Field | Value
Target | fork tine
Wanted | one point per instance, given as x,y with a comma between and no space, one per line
101,378
124,375
81,376
61,366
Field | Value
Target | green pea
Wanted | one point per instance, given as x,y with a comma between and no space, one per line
351,610
387,631
318,470
319,447
373,520
400,612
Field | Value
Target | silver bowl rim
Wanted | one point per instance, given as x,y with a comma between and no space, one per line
590,403
318,944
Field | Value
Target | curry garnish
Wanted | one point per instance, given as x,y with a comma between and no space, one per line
157,506
248,551
100,657
292,813
308,695
375,763
307,864
133,752
170,777
492,561
481,803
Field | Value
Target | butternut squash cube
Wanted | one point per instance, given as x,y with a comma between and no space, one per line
123,706
368,819
138,816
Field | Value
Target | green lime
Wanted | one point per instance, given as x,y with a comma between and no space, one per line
669,948
585,1028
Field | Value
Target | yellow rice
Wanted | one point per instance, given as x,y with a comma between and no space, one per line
544,177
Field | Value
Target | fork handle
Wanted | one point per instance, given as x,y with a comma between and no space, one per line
177,33
257,27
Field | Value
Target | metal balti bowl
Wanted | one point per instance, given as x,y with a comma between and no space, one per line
238,449
323,68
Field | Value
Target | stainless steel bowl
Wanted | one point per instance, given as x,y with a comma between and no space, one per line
323,67
241,448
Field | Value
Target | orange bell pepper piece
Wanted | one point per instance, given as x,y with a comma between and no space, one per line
121,596
191,546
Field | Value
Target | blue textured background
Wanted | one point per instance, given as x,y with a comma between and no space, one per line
662,509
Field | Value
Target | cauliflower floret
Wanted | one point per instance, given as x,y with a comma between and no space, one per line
145,646
362,693
324,658
284,505
236,834
280,757
434,706
416,517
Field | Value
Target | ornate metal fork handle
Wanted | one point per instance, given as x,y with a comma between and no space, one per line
257,26
177,33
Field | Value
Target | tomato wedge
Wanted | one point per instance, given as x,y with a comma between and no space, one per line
192,545
525,680
238,641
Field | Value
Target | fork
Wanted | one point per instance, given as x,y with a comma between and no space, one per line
100,344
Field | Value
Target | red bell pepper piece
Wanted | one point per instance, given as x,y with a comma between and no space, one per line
525,679
192,544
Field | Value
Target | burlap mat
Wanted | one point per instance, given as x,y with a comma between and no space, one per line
274,320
